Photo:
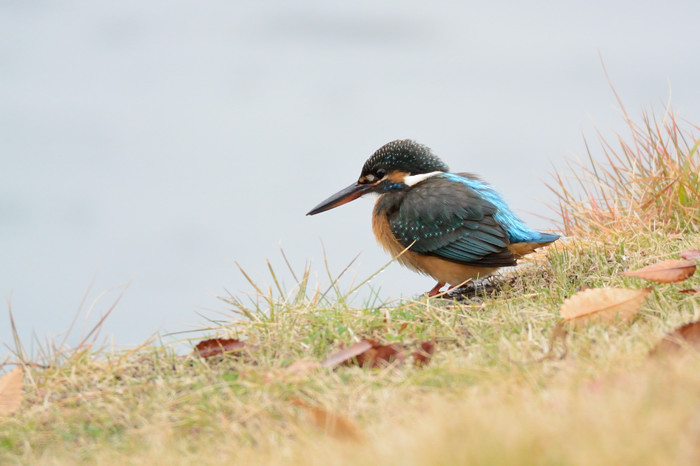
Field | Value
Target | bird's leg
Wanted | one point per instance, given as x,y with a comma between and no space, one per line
436,290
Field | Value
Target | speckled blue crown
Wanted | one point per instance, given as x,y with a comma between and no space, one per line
404,155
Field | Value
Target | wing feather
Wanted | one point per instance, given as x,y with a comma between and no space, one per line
452,221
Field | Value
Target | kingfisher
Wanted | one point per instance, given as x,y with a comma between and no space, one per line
453,227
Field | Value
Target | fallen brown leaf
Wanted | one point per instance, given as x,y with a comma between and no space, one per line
11,391
686,335
378,356
690,291
330,423
346,353
603,305
424,354
668,271
691,254
218,346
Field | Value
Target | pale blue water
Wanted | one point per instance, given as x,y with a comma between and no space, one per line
156,143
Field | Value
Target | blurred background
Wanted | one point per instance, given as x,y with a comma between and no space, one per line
156,143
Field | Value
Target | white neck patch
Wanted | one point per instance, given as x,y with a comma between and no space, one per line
413,180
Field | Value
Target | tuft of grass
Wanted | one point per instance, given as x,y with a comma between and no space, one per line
650,181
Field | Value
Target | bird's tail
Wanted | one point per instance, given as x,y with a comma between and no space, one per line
545,238
537,240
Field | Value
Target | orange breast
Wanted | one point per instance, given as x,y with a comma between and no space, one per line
442,270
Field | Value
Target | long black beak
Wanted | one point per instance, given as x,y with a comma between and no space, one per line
348,194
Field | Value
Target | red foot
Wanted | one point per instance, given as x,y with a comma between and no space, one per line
436,290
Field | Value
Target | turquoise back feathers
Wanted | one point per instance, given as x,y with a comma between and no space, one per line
516,229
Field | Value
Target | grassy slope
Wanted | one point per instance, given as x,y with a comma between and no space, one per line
484,398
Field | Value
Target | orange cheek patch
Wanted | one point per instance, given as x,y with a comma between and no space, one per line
397,177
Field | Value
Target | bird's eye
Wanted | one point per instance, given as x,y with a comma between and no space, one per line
380,173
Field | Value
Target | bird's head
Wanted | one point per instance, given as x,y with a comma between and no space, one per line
395,166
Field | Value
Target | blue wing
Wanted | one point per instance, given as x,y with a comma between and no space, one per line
515,228
450,220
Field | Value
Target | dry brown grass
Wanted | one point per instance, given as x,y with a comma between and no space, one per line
649,180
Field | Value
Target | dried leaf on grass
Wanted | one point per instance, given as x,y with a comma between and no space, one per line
378,356
424,354
690,291
218,346
367,353
603,305
370,353
347,353
668,271
691,254
11,391
687,335
330,423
